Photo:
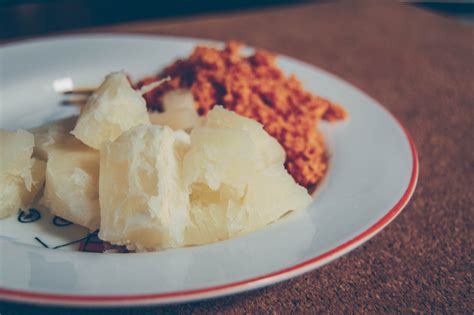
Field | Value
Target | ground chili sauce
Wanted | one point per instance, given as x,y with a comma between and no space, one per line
255,87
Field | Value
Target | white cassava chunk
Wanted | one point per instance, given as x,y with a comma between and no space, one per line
220,156
144,203
21,177
180,118
217,168
179,98
53,136
72,175
179,111
235,174
208,213
269,150
114,108
271,193
72,185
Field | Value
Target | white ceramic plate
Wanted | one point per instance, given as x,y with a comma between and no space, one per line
373,172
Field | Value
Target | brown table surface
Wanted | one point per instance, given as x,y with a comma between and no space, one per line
421,67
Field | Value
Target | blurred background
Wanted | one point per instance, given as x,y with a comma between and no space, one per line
26,18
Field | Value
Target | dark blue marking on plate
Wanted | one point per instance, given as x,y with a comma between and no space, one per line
41,242
60,222
31,216
73,242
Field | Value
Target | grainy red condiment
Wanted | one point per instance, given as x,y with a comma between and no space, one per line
255,87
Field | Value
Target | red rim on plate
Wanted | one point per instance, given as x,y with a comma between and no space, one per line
235,287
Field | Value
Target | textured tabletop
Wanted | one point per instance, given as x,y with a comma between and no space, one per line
420,66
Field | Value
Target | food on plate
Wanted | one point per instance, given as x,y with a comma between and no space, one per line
161,188
254,86
232,192
69,146
21,176
72,173
144,203
179,111
269,150
72,185
114,108
230,145
179,119
53,136
177,99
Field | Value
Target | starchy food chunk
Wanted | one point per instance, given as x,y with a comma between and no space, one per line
144,203
21,177
114,108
